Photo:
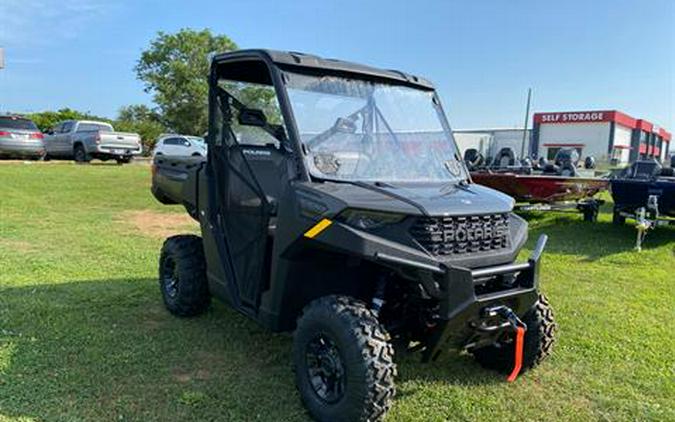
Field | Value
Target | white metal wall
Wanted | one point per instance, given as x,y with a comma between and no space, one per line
594,137
490,141
510,138
479,141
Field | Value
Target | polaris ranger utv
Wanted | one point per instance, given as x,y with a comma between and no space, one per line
333,202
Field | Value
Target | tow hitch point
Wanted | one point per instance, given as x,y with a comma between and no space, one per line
519,327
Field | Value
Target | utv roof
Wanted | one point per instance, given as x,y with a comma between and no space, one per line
309,62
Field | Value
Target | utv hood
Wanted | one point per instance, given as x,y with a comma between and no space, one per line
435,199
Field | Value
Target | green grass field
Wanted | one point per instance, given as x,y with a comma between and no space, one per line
84,335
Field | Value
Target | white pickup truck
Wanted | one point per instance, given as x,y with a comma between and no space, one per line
83,140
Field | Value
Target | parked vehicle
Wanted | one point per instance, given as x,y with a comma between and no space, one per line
180,145
542,185
83,140
354,223
20,137
543,192
645,192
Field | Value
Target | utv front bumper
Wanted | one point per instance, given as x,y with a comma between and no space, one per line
464,321
463,295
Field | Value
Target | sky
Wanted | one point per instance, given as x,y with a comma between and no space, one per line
481,55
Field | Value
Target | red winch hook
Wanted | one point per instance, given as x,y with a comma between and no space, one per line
520,328
518,359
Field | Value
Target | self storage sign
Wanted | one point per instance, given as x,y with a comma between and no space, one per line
575,117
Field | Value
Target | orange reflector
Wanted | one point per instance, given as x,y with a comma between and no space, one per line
520,337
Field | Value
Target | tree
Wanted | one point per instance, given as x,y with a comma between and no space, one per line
47,119
143,120
175,69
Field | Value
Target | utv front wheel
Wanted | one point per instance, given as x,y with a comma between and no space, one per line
182,276
539,339
343,361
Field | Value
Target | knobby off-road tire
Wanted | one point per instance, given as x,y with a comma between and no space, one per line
182,276
538,344
347,335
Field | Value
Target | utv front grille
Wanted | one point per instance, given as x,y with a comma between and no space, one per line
445,236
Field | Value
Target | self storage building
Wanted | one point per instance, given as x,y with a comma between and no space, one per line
607,135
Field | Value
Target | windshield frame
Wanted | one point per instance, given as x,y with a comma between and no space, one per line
461,175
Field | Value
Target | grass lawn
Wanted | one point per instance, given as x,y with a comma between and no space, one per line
84,335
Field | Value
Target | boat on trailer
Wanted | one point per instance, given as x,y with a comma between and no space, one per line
645,192
539,188
632,189
544,186
540,192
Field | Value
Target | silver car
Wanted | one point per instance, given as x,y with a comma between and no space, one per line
84,140
20,137
180,145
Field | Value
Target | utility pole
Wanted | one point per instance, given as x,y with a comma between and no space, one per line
527,117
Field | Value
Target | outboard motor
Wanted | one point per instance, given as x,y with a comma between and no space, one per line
589,163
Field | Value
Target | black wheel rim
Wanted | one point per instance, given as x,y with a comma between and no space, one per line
170,277
79,154
325,370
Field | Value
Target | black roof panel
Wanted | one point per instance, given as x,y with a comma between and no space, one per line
292,59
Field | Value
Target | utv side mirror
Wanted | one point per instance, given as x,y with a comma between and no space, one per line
252,117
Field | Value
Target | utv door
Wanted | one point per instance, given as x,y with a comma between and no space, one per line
242,192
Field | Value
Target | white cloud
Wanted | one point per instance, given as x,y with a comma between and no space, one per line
42,22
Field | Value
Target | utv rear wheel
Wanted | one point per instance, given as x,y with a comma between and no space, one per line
343,361
539,339
182,276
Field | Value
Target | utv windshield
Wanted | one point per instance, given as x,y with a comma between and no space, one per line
360,130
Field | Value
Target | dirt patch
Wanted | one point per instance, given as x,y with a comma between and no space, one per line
154,317
183,376
159,225
20,246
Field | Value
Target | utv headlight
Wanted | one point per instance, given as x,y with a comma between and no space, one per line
366,220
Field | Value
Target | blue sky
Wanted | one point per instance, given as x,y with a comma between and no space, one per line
482,55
